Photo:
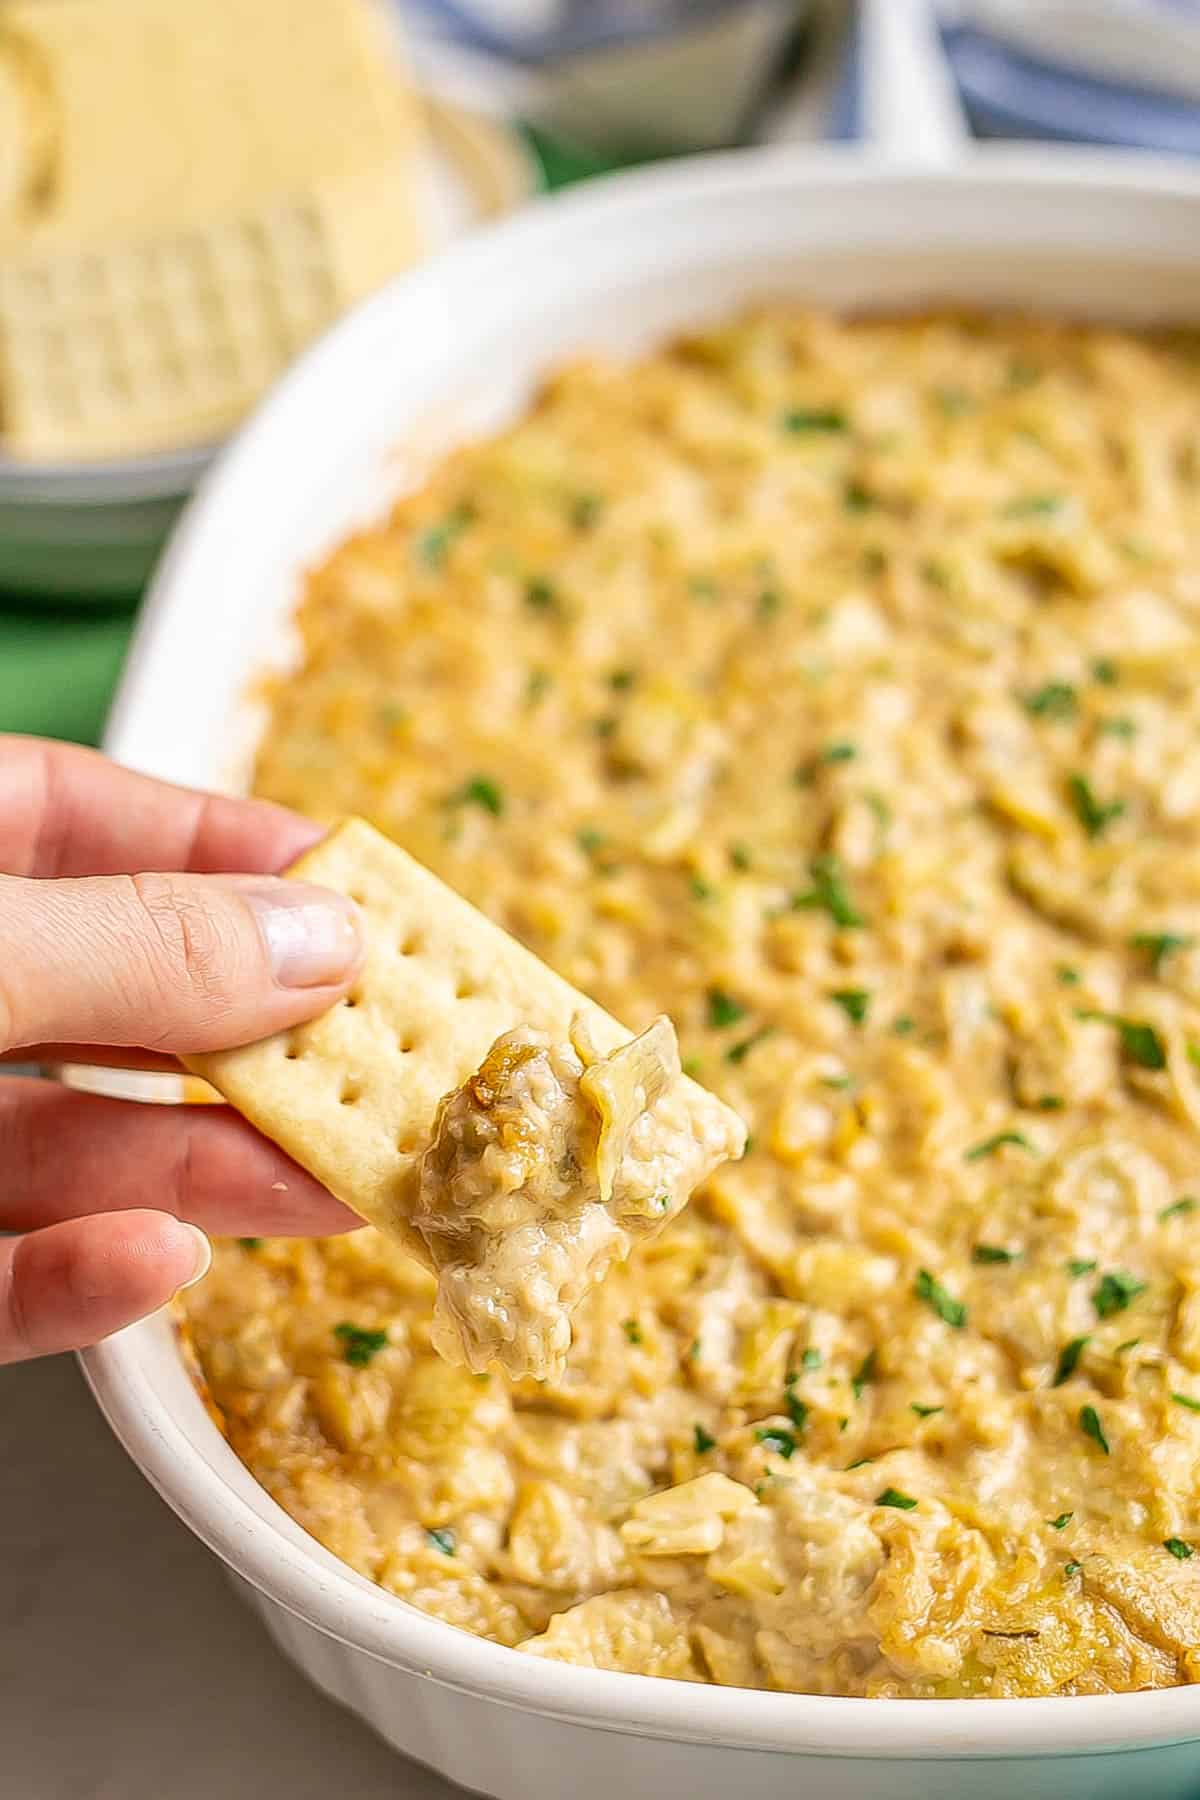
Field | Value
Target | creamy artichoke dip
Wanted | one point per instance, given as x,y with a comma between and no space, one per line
545,1166
830,687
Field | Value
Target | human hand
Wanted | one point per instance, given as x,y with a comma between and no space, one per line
108,1195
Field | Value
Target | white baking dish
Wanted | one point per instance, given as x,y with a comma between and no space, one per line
449,351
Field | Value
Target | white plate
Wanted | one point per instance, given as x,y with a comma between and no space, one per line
448,352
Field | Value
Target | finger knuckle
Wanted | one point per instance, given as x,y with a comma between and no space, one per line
15,1331
190,942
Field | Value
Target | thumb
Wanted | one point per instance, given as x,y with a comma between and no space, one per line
169,962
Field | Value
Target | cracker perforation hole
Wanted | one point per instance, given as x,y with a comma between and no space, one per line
465,988
410,943
351,1093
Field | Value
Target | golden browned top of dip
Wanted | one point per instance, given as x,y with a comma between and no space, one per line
832,688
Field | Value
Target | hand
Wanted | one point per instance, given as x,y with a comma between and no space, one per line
110,1194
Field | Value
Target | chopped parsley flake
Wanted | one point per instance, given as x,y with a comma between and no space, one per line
924,1412
1139,1041
812,1358
632,1330
989,1146
737,1053
1068,976
1034,506
947,1308
952,402
1072,1568
776,1438
590,840
1081,1265
479,790
859,1462
864,1373
604,728
359,1343
1178,1548
769,602
993,1253
1094,815
1115,1292
856,498
443,1540
1178,1208
1160,944
541,594
904,1025
1056,700
854,1002
435,541
1068,1359
700,889
1118,727
1050,1103
799,420
739,856
538,685
1186,1400
838,753
1104,670
829,891
250,1243
585,510
1062,1521
704,1440
723,1009
1089,1424
622,679
797,1410
893,1497
692,1065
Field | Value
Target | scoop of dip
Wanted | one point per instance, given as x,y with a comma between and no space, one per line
545,1167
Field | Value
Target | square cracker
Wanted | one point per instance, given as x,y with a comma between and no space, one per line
164,257
352,1095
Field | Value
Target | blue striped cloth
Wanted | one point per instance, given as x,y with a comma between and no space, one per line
1131,77
576,26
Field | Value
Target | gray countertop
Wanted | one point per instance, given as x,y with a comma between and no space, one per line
129,1670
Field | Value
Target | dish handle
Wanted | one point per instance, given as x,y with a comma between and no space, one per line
908,101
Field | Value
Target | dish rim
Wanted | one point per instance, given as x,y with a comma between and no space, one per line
297,1572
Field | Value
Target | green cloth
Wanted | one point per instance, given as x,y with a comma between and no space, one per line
58,669
59,663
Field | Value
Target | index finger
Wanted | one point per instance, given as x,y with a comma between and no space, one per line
65,811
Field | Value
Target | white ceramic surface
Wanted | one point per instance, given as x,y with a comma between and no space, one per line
448,352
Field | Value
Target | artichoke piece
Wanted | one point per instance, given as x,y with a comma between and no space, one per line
622,1087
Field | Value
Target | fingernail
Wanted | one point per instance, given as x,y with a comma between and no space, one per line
203,1255
312,935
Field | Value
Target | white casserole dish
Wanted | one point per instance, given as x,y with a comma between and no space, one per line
450,351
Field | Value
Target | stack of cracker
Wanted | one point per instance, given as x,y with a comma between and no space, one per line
188,195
